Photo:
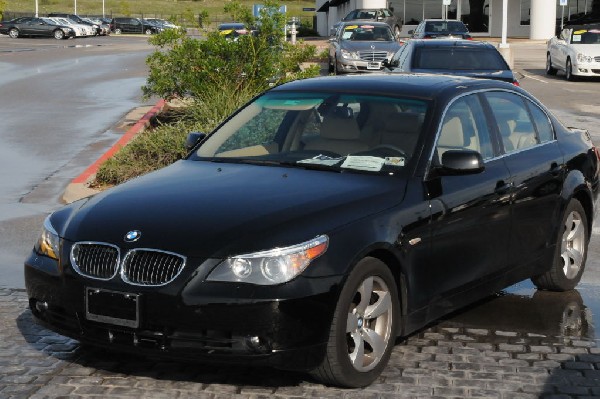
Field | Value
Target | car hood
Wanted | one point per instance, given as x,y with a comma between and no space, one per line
370,46
206,209
592,50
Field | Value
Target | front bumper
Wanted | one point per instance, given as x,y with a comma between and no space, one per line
284,326
354,66
587,69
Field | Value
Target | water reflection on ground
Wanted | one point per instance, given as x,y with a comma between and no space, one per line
524,309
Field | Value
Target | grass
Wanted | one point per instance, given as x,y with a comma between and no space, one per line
169,9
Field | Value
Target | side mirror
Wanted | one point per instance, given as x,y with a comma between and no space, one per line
193,138
461,162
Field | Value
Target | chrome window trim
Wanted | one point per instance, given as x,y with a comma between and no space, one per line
76,268
438,131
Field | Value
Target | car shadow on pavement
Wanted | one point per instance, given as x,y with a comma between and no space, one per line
526,344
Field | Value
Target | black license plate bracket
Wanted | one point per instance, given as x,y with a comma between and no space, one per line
112,307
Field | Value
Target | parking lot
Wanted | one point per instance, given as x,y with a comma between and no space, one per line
520,344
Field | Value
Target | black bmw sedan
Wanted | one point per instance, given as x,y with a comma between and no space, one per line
32,26
322,220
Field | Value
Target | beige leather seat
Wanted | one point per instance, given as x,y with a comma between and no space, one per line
402,130
338,134
451,136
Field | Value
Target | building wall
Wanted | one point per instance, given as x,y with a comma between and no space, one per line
543,16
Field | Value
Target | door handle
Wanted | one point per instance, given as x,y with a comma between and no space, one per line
555,169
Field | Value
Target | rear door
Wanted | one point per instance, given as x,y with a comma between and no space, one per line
537,170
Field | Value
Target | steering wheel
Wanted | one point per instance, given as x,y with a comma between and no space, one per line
388,148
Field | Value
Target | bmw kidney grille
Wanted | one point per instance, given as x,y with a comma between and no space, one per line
143,266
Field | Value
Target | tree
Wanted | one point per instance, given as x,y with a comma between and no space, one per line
218,74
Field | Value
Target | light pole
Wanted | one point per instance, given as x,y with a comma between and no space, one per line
75,11
103,9
36,8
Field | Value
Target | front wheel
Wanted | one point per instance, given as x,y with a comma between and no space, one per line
571,251
549,69
363,328
13,33
118,31
396,31
569,71
148,31
59,34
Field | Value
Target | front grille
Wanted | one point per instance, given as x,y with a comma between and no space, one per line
372,56
151,267
95,260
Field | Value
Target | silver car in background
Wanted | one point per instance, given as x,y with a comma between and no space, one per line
361,47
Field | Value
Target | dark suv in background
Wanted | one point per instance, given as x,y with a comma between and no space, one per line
133,25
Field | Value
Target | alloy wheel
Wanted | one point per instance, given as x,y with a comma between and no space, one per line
573,245
369,324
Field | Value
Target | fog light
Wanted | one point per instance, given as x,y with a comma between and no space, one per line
41,307
583,70
257,344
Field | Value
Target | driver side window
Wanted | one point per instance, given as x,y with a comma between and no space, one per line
464,127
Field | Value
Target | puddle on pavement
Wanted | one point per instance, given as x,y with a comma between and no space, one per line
523,309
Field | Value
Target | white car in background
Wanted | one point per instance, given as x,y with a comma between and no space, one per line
54,21
85,29
576,51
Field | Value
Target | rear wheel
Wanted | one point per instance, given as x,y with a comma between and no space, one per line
59,34
549,69
148,31
571,251
362,333
396,31
117,31
13,33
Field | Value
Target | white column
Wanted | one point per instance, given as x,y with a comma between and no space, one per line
543,19
504,44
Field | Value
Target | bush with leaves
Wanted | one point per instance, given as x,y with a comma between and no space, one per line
216,75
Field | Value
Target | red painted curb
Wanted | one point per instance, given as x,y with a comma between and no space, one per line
126,138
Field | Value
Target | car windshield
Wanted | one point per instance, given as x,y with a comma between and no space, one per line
336,132
585,36
361,14
445,26
457,58
358,32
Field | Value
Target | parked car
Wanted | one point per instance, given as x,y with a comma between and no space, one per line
164,23
372,14
80,29
450,56
76,18
104,27
576,52
322,220
440,28
32,26
233,30
361,47
134,25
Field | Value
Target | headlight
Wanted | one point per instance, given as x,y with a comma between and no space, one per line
48,242
350,54
270,267
67,30
584,58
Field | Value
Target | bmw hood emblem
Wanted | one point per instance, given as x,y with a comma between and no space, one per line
133,235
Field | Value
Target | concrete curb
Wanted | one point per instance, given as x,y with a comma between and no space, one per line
79,186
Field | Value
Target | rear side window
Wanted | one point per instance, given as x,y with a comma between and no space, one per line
513,120
456,58
542,123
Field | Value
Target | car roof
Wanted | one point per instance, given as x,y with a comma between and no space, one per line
424,86
364,22
450,43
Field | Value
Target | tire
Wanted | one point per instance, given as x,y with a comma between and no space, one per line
118,31
330,65
549,69
13,33
396,31
148,31
569,71
571,251
59,34
335,67
362,333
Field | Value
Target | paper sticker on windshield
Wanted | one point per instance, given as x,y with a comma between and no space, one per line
579,32
394,161
321,160
367,26
594,31
351,27
576,38
371,164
